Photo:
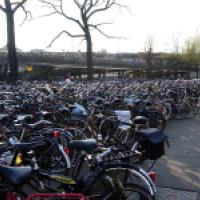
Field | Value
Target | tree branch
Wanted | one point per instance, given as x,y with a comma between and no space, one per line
61,12
104,34
84,5
19,5
47,15
109,4
81,42
92,4
77,3
122,6
72,19
27,13
54,7
67,33
2,8
100,24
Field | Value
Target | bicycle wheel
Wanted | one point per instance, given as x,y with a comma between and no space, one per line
130,192
54,162
157,120
174,111
124,137
71,134
51,158
184,110
131,177
167,110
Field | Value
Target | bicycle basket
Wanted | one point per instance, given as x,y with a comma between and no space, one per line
152,142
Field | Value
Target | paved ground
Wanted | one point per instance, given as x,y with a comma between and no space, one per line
174,194
180,168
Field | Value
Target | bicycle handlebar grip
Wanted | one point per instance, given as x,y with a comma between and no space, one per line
135,146
104,154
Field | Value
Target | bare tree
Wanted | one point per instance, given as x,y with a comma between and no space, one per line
148,55
191,54
175,56
88,9
10,8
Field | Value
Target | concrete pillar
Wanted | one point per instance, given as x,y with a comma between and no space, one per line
120,74
80,75
104,74
99,74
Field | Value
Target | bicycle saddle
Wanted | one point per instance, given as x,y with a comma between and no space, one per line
38,124
28,146
137,101
83,145
74,121
62,109
22,118
15,175
4,117
140,120
43,113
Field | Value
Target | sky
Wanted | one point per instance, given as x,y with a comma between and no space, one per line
166,21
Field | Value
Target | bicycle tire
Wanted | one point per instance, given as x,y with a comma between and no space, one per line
157,120
140,193
185,111
129,174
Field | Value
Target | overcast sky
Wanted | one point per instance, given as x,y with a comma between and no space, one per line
164,20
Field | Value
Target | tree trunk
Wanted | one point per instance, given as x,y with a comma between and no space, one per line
5,71
1,72
89,57
12,55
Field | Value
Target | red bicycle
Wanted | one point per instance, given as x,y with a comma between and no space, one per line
49,196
